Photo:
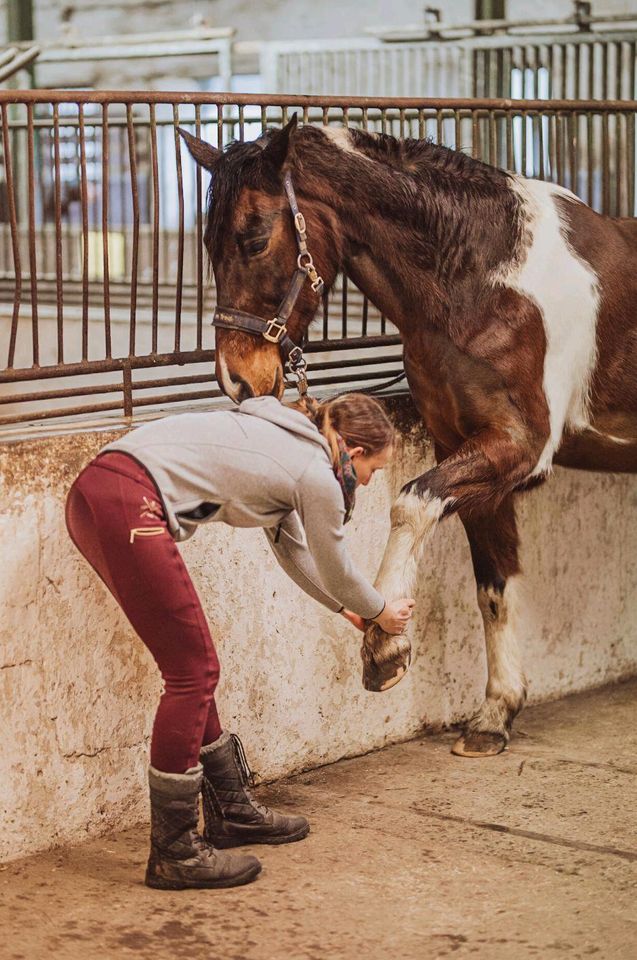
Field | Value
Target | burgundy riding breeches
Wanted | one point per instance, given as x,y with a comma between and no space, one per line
116,519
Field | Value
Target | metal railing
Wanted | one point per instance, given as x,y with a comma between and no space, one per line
104,302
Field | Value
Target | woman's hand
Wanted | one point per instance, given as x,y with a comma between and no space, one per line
396,615
354,619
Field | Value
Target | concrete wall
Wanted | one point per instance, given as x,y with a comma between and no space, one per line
78,690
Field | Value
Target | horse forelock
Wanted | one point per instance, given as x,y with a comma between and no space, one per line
241,166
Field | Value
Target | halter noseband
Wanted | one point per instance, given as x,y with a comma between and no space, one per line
275,330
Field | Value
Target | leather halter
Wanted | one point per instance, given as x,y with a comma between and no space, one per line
275,330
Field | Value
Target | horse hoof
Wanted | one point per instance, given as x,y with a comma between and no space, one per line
478,744
379,681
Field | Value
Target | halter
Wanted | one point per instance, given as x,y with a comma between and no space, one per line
275,330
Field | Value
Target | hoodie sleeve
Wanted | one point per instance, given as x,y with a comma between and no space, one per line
319,503
288,545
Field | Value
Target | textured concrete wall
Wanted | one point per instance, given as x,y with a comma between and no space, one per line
78,690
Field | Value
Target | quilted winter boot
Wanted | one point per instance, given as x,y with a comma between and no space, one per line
179,857
232,816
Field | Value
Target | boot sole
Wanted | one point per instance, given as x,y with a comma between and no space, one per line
222,843
162,883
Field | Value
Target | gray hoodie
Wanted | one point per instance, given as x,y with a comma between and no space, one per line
260,465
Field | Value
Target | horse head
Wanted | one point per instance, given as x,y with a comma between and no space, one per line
252,243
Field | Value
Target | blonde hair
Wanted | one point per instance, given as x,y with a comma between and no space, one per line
360,420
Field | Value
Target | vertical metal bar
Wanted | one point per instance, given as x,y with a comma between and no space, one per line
619,153
42,165
577,69
439,136
590,161
630,165
326,317
475,135
57,191
127,388
365,317
344,307
604,71
199,235
15,241
605,165
242,125
132,157
559,153
492,138
540,140
32,254
509,140
85,238
154,320
180,246
121,148
264,119
106,270
220,125
572,137
525,118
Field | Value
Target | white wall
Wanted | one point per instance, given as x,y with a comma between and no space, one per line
78,690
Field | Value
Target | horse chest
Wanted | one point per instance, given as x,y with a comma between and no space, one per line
454,395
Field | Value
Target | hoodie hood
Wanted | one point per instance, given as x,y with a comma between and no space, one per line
269,408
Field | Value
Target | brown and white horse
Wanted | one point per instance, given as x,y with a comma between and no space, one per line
517,306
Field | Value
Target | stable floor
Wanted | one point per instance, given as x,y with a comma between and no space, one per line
413,854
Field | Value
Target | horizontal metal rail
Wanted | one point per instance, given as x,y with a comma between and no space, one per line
102,267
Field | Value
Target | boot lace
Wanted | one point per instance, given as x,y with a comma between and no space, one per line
247,776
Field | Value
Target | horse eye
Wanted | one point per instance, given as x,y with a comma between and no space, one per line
257,246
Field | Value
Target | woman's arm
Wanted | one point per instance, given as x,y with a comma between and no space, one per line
288,545
320,507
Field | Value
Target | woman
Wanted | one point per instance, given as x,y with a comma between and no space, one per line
261,465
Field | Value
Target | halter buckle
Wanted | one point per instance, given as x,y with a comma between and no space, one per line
299,222
280,329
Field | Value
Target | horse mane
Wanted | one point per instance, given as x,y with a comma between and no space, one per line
455,194
428,160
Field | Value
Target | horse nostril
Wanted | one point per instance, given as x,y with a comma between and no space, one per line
243,389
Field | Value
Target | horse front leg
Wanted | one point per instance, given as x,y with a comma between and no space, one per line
386,658
476,478
493,540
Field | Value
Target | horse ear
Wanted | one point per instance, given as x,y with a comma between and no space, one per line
277,147
202,153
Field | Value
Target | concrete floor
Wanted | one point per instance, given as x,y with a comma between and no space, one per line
413,854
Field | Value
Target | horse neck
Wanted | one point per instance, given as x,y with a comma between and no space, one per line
412,224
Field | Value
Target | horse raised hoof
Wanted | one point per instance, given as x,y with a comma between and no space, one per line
477,744
386,659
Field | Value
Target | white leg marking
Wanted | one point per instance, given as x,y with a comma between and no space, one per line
506,684
565,288
412,520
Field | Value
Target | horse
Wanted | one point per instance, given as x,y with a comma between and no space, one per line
515,302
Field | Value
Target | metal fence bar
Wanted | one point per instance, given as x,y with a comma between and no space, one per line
132,153
15,242
145,209
108,344
32,250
